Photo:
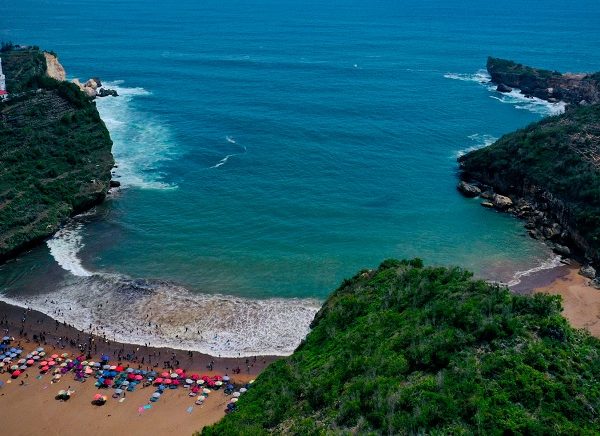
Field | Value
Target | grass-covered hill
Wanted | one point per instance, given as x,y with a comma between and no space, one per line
555,162
55,152
411,350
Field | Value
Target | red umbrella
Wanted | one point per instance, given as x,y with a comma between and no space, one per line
167,381
165,374
194,376
179,371
175,382
108,382
217,377
119,368
130,376
16,373
139,377
195,389
44,368
97,397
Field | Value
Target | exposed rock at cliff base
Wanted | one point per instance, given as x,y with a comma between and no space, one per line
547,85
502,202
467,189
53,68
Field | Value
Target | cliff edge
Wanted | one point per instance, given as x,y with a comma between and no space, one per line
55,151
573,89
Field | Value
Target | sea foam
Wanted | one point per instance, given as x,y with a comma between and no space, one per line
163,314
65,245
140,143
518,100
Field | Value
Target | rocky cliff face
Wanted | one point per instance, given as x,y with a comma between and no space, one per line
53,68
55,152
574,89
551,172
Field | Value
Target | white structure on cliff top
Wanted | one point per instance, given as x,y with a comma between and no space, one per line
3,92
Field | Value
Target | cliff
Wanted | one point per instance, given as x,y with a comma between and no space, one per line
55,151
551,171
574,89
411,350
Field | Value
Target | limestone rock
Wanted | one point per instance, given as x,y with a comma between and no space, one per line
468,190
501,202
503,88
588,271
53,68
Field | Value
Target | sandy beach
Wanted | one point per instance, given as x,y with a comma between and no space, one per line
581,301
31,408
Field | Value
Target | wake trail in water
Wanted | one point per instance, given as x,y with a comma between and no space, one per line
226,158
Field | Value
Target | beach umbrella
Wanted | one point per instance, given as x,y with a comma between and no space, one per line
51,362
96,365
219,383
174,375
107,367
200,382
16,373
6,360
23,367
233,400
113,367
152,374
189,381
167,381
156,395
45,368
6,338
130,370
2,364
226,378
12,355
139,377
179,371
65,355
236,394
97,397
62,392
242,390
165,374
36,357
175,382
137,371
29,356
56,377
14,367
88,370
108,382
194,376
39,349
85,363
105,358
21,361
54,356
63,365
42,353
217,377
206,391
118,391
125,383
119,368
158,380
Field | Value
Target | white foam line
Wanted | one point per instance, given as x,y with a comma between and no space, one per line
64,247
165,315
550,263
520,101
481,141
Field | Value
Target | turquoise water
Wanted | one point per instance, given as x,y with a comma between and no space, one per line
269,149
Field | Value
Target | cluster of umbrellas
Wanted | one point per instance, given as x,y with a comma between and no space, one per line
11,359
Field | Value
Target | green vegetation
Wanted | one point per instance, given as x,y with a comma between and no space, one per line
413,350
523,71
559,154
55,152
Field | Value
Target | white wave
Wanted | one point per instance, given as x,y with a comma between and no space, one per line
223,161
532,104
226,158
64,247
550,263
481,76
166,315
230,140
140,143
481,141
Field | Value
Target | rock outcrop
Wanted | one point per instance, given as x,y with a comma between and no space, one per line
574,89
53,68
467,189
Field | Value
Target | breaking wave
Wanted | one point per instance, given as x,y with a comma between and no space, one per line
140,143
550,263
480,141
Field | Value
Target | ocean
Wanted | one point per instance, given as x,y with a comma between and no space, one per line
269,149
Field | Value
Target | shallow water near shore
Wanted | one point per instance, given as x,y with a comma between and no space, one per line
268,150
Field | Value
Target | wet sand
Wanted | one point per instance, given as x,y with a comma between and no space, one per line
581,301
31,409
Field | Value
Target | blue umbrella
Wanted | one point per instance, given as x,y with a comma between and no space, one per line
130,370
105,357
113,373
6,338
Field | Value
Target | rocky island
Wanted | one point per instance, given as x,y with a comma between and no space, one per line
573,89
549,172
55,151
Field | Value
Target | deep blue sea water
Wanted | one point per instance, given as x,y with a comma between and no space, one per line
268,149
